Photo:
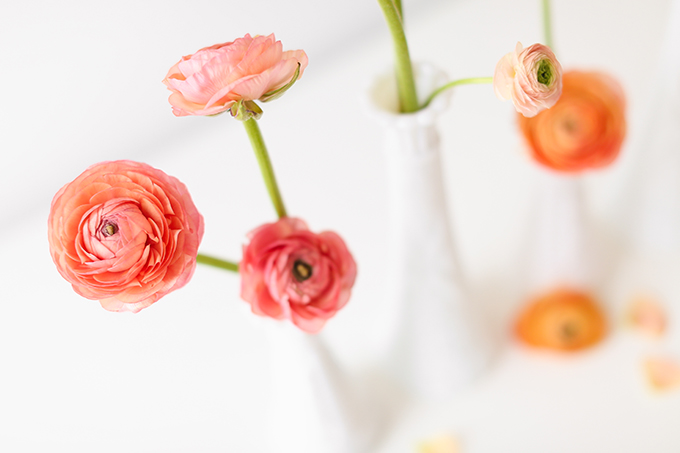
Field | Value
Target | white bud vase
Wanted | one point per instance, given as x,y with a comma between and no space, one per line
441,344
313,407
561,253
650,204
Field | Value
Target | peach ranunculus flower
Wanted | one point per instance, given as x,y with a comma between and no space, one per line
289,272
124,233
584,130
531,78
232,75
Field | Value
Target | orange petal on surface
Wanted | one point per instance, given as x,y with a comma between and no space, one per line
663,373
563,319
647,316
441,444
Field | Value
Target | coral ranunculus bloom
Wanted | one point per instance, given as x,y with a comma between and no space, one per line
584,129
124,233
563,320
288,272
214,78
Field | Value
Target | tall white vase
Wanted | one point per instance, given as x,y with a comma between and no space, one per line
441,345
313,406
561,248
651,200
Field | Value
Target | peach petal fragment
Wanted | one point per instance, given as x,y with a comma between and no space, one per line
562,320
440,444
647,316
662,373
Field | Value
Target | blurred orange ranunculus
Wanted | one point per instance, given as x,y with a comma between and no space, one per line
584,129
563,319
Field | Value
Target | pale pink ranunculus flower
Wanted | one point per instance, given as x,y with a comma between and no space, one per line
289,272
214,78
531,78
124,233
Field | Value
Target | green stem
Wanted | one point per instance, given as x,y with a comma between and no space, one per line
468,81
216,262
547,24
397,4
260,149
405,81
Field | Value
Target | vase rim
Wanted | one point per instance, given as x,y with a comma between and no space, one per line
382,96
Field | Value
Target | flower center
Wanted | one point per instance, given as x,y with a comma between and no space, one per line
109,229
568,330
301,270
544,75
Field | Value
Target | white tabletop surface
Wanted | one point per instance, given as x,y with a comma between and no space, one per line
189,374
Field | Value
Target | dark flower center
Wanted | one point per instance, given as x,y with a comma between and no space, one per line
301,270
109,229
569,331
544,73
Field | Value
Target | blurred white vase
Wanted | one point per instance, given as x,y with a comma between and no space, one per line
649,213
313,405
442,343
561,251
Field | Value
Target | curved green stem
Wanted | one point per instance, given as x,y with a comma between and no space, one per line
405,81
547,24
468,81
266,168
216,262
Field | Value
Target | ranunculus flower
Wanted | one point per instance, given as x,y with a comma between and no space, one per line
214,78
563,319
288,272
124,233
531,78
585,129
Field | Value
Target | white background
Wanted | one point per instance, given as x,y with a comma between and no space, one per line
82,83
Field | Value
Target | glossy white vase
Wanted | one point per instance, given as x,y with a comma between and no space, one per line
314,407
441,343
